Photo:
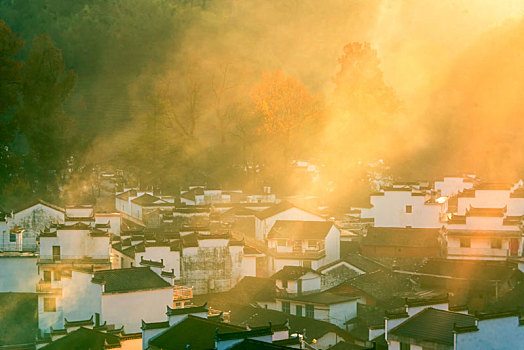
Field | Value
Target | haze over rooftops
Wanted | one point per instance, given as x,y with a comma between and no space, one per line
297,230
129,280
278,208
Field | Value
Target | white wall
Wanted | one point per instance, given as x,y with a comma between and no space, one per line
498,333
484,199
332,245
33,220
18,274
129,309
340,313
171,258
81,298
115,221
389,210
249,265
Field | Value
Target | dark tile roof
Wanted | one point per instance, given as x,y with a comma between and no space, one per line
488,212
401,237
128,280
252,344
324,298
197,332
300,229
148,200
152,263
84,339
381,285
254,316
19,320
77,323
278,208
361,262
348,346
186,310
154,325
125,195
246,333
40,201
247,291
292,273
432,325
368,316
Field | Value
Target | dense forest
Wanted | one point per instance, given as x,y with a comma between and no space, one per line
229,93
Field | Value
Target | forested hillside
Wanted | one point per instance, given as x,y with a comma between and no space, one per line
229,93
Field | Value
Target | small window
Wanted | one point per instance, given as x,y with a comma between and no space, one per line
47,276
286,308
465,243
404,346
409,209
496,243
57,275
49,304
12,237
56,253
284,283
282,243
299,310
310,311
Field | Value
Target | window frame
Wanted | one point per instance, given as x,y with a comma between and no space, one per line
49,304
465,242
298,310
286,307
496,243
310,310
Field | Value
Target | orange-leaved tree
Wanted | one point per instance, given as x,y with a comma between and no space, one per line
286,106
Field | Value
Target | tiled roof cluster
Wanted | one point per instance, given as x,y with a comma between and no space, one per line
129,280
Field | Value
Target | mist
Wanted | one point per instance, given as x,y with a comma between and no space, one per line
436,91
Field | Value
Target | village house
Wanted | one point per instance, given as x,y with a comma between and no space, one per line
284,211
347,267
211,263
492,195
297,280
405,207
323,306
441,329
483,233
137,204
309,244
316,334
18,263
19,229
